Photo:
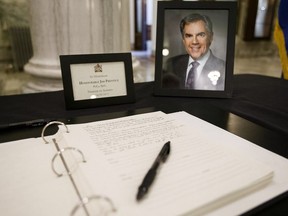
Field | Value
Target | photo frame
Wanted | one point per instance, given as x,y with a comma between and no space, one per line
92,80
213,78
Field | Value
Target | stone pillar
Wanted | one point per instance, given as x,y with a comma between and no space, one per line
62,27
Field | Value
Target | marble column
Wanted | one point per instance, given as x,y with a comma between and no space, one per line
62,27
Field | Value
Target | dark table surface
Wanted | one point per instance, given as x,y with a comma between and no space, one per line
257,111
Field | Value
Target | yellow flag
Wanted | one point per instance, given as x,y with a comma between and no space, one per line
280,41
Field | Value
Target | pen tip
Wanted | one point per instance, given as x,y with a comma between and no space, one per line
139,196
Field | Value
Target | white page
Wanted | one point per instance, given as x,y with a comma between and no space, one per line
122,151
28,185
278,163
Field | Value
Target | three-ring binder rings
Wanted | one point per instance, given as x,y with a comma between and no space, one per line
85,202
96,168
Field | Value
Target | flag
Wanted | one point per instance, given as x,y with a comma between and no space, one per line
281,35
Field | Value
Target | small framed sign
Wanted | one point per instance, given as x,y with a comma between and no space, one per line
195,48
92,80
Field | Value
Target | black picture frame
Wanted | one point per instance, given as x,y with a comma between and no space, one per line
169,14
92,80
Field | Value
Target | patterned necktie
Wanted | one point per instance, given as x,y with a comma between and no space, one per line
191,75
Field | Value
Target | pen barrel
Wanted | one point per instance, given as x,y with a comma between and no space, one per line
149,178
147,181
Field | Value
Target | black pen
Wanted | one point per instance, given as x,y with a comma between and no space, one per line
149,177
32,123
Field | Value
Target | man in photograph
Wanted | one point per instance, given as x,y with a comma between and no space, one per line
199,69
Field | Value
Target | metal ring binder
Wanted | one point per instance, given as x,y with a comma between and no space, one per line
84,200
60,152
51,123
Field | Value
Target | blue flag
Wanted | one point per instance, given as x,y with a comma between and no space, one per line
283,20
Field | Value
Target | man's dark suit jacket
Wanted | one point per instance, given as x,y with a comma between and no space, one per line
174,74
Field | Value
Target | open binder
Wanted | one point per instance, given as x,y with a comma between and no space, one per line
95,169
137,133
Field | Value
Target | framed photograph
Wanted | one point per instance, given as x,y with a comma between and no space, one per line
92,80
195,48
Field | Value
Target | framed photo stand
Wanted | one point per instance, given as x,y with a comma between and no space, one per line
92,80
195,32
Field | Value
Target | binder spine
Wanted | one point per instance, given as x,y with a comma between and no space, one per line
83,200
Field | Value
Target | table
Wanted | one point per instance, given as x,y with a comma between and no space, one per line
257,111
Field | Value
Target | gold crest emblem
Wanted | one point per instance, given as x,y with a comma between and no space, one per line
98,68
